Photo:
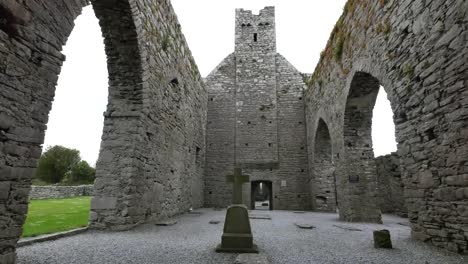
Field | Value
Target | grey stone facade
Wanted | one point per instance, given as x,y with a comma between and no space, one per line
255,104
417,51
313,144
390,185
56,192
153,144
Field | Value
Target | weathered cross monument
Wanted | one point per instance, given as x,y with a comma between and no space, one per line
237,234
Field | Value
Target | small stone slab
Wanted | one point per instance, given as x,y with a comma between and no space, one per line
264,217
214,222
304,226
299,212
217,209
348,228
382,239
195,213
167,223
251,259
404,224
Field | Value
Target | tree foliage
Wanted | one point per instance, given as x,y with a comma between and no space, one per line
80,173
57,162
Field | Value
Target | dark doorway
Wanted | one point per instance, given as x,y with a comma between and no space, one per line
261,195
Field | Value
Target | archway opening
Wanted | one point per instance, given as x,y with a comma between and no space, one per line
62,187
325,196
261,195
383,128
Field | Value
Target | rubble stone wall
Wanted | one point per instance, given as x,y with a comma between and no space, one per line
152,151
256,118
390,186
417,51
58,192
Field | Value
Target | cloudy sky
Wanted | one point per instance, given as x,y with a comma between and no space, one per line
302,30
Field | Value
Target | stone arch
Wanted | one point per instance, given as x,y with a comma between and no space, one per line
359,175
325,194
33,37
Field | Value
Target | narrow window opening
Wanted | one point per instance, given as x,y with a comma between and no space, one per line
174,82
255,37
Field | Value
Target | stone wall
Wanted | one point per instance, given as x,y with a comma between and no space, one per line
152,151
323,182
390,185
255,105
417,51
56,192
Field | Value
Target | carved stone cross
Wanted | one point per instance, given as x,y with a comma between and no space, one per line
238,179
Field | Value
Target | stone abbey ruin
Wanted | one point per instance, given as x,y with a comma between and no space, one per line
170,137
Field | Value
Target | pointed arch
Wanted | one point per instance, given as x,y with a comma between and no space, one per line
325,195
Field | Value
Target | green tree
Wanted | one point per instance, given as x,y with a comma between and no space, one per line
82,173
55,162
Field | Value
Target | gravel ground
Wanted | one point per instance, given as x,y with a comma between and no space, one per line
193,239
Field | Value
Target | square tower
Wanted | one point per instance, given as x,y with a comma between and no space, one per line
256,100
255,119
255,32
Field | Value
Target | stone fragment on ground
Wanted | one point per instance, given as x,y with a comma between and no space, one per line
299,212
304,226
264,217
195,213
251,259
214,222
348,228
167,223
382,239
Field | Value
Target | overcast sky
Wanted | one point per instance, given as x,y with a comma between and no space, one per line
302,30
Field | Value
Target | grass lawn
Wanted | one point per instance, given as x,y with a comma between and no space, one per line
56,215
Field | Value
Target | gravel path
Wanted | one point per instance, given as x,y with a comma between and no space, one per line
192,240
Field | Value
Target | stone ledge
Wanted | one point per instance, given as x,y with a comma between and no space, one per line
32,240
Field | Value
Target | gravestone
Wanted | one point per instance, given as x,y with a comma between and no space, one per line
237,235
382,239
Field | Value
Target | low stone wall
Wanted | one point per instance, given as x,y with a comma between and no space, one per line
390,185
55,192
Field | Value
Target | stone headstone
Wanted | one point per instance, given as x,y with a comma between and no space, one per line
237,234
382,239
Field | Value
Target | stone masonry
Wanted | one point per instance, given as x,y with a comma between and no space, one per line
416,50
390,185
153,144
255,104
55,192
170,138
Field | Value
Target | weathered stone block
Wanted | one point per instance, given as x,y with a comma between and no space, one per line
458,180
8,258
425,179
4,190
103,203
382,239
